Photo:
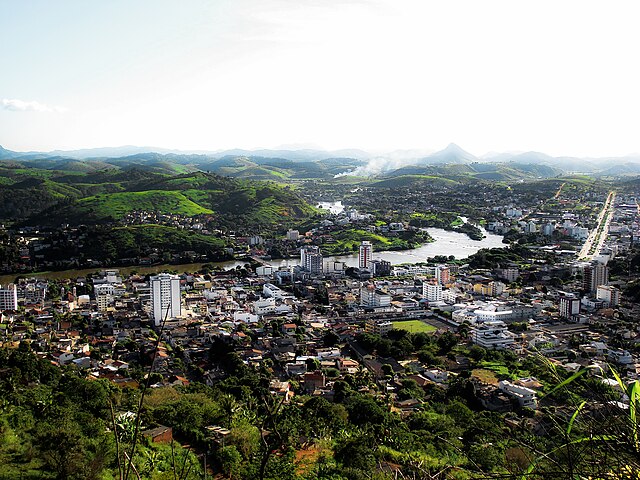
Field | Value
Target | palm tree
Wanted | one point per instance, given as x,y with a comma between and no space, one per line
230,407
362,376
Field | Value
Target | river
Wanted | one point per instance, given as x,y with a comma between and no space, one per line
445,243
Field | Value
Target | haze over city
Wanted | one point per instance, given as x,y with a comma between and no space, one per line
557,77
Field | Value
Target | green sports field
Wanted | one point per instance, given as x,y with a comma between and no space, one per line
414,326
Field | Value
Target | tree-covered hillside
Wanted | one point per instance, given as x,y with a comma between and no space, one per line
42,196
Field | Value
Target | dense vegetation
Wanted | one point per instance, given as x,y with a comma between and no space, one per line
495,257
111,244
43,196
446,221
348,240
54,423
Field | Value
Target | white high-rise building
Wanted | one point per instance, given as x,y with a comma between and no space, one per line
364,259
608,294
9,297
165,297
311,259
432,292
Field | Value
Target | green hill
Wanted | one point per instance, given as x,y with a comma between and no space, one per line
42,196
116,205
31,195
141,240
413,180
413,174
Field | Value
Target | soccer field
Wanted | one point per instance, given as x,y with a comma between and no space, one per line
414,326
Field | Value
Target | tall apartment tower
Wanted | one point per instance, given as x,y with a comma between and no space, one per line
432,292
165,297
364,259
442,274
9,297
609,295
311,259
594,275
569,306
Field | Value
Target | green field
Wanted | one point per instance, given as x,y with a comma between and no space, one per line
414,326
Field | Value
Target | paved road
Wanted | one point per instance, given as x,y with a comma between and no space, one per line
596,239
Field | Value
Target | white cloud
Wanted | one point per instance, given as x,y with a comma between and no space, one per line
15,105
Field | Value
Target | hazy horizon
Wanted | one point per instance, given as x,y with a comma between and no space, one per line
376,75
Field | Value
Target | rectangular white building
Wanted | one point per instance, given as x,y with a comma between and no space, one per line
608,294
432,292
165,297
372,297
9,297
525,397
492,335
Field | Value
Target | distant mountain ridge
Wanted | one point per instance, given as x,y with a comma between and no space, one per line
284,163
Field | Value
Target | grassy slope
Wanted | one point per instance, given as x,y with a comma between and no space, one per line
71,197
116,205
409,180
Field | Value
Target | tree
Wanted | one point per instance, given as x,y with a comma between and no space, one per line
477,353
324,417
446,342
356,453
364,410
410,389
330,339
229,459
313,364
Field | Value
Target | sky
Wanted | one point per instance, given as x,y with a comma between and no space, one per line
562,77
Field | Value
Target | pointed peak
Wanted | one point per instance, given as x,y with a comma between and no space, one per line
455,148
451,154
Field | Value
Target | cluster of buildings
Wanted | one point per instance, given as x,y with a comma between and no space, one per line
303,323
107,322
312,262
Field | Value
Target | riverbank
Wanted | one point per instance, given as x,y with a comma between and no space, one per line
348,241
445,243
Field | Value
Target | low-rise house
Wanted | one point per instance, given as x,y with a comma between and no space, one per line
314,381
436,375
492,335
281,389
526,397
